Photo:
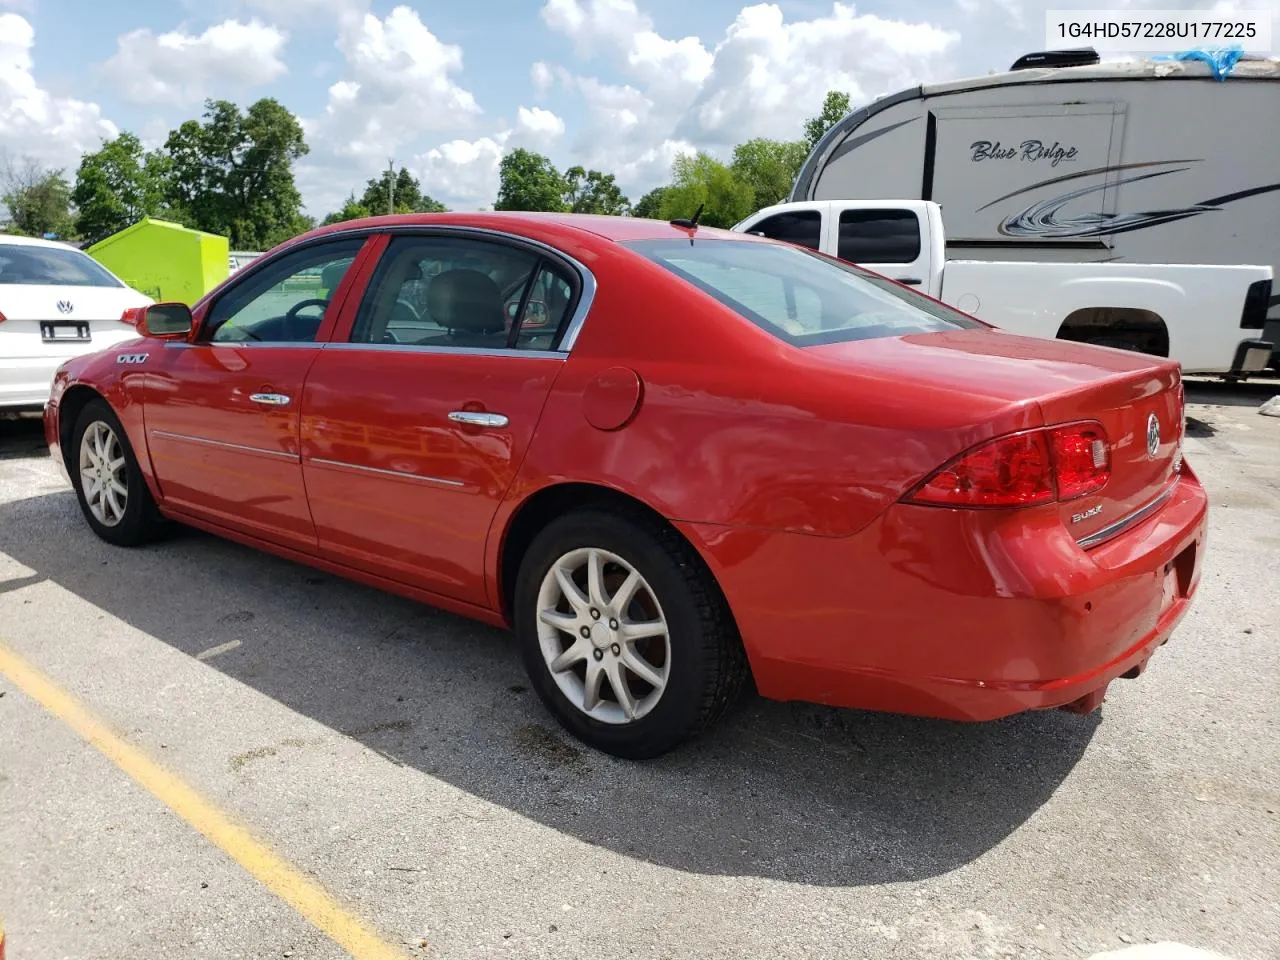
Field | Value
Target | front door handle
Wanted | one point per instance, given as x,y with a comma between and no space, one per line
911,281
270,399
476,418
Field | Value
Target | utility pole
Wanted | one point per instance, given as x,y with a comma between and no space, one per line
391,185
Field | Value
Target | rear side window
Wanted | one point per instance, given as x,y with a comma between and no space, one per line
52,266
879,236
801,297
801,227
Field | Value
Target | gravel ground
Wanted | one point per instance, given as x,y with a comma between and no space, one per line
395,755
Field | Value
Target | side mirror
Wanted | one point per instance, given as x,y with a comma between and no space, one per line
170,321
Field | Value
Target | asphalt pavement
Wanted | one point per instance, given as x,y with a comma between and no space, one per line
394,758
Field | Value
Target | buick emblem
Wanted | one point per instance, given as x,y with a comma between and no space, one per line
64,306
1153,436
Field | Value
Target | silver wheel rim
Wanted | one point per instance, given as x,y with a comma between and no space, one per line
603,636
103,478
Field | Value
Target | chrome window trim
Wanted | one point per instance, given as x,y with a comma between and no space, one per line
277,454
1124,523
399,474
254,344
449,351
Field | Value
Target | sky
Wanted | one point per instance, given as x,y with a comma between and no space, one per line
444,88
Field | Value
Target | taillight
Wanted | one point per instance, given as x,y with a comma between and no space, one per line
1257,301
2,318
1022,470
1081,459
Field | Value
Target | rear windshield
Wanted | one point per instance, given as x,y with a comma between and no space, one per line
798,296
54,266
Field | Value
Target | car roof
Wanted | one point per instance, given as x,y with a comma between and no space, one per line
7,238
617,229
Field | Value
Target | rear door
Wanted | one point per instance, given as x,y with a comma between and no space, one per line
416,419
803,224
891,237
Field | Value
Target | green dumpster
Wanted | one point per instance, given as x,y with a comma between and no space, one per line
165,260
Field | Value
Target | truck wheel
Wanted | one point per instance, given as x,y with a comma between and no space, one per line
624,634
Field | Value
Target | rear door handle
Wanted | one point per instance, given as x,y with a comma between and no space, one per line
270,399
911,281
476,418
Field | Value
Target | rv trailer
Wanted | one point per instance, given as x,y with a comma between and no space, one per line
1153,161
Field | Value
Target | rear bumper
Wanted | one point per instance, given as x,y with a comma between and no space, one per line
1252,356
956,614
25,381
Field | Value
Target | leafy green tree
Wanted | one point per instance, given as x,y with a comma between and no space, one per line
529,181
233,173
353,209
118,185
39,200
769,167
835,107
703,180
650,205
590,191
408,196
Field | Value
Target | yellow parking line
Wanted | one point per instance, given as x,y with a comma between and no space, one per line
305,896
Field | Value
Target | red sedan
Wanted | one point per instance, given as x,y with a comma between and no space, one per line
670,458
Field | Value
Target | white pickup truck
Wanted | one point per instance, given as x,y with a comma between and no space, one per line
1209,318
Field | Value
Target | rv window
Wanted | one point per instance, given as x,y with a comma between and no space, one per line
879,236
801,227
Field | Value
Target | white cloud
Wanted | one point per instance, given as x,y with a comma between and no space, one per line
180,68
763,78
463,174
539,125
767,71
398,83
33,122
306,11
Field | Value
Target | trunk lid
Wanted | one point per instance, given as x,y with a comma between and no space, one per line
975,372
43,321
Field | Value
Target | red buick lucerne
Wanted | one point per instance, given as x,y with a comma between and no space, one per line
669,458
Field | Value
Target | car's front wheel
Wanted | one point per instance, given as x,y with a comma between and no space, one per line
108,482
624,633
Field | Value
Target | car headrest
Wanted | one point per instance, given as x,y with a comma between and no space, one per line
466,300
332,275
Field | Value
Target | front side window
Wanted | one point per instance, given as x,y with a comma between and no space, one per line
447,291
285,301
31,264
801,297
879,236
802,227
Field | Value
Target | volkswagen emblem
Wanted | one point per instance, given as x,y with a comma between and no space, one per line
1153,436
64,306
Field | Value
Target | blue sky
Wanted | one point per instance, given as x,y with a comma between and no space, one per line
446,87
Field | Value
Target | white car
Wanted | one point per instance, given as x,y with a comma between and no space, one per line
55,302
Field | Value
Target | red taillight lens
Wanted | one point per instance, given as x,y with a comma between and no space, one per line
1023,470
1081,459
2,319
1009,472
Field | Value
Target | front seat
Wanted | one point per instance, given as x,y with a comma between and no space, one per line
468,304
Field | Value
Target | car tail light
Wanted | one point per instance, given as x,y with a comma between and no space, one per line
1022,470
1256,303
1081,459
2,319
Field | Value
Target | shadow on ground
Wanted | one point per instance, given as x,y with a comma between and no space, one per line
784,791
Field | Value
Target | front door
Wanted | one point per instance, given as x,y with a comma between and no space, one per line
414,427
222,410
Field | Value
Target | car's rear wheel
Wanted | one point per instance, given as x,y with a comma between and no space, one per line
108,481
624,633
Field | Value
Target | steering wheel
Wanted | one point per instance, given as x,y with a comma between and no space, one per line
291,319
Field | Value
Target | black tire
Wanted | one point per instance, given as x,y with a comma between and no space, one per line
141,521
707,664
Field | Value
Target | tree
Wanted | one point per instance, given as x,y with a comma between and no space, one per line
834,109
39,200
117,186
703,180
769,167
529,181
408,195
351,210
590,191
233,173
650,205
